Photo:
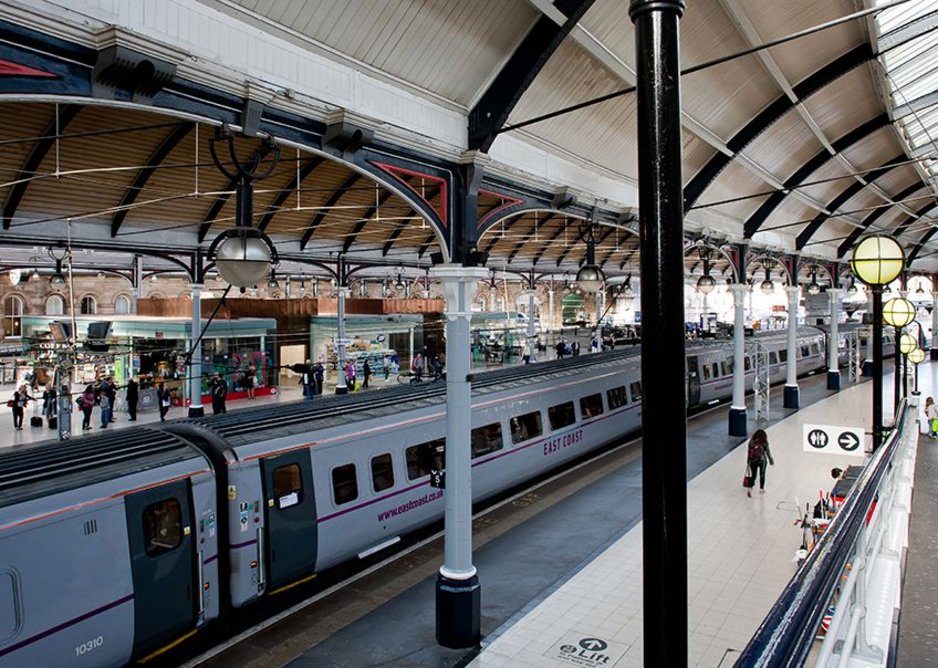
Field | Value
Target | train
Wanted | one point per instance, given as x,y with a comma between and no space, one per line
117,546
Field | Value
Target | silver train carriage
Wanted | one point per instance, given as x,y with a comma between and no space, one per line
115,546
108,548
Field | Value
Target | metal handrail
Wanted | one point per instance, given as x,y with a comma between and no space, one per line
787,633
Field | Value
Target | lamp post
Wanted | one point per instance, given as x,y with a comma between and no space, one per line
877,260
916,356
898,312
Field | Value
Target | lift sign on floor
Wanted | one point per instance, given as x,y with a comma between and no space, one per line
834,440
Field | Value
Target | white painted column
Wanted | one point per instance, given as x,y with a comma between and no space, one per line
737,416
532,332
833,371
550,306
340,386
934,325
195,366
791,382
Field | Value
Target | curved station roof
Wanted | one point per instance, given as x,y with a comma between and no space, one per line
805,125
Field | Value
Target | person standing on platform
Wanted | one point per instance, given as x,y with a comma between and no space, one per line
575,348
931,417
48,403
756,456
104,401
133,396
86,404
350,376
319,373
249,381
308,381
366,374
18,404
164,399
386,369
417,368
561,348
219,390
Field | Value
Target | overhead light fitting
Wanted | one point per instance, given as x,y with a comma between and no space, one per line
58,278
272,282
813,287
852,288
705,284
767,286
590,277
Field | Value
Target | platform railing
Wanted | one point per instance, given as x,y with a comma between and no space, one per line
854,567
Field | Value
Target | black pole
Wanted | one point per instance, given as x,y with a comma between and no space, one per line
897,372
877,365
661,225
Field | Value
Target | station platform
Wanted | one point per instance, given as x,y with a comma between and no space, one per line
573,571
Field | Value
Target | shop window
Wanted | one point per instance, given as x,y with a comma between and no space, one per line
9,614
486,439
591,406
382,473
424,457
122,305
88,305
288,486
616,397
344,484
561,415
55,305
525,427
162,527
13,308
635,389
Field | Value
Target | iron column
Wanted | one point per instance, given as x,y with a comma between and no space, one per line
877,291
934,323
791,381
738,419
833,371
195,362
661,225
340,385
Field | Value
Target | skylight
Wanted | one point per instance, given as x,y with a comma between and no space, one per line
907,43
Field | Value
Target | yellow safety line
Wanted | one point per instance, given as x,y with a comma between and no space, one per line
293,584
168,647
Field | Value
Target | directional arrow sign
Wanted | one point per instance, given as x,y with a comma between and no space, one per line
832,439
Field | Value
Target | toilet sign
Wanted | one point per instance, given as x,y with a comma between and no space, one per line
833,440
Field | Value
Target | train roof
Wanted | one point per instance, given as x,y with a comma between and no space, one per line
693,345
285,419
53,466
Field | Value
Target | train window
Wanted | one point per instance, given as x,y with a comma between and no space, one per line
783,356
773,357
714,370
805,351
424,457
486,439
747,363
288,486
162,527
344,484
525,427
706,371
616,398
561,415
591,406
9,617
382,473
726,366
635,389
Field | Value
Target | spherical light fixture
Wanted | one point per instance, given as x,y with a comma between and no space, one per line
706,284
907,343
242,255
767,286
852,288
590,277
877,260
898,312
58,278
272,282
916,356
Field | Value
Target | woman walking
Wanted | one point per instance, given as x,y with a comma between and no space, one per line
756,457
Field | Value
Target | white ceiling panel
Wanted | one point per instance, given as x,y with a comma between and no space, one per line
784,146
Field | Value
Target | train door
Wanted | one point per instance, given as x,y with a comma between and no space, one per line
162,552
693,381
290,508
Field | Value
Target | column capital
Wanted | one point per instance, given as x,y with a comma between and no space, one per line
342,290
739,290
794,293
196,286
457,273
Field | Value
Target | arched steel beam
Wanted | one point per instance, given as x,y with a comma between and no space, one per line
755,221
612,251
431,195
901,227
811,228
519,72
556,235
133,191
66,114
284,194
872,218
538,224
811,84
566,251
360,225
925,237
334,198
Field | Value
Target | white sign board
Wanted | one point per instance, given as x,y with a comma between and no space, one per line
834,440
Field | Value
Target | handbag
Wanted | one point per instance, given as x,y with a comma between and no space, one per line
747,481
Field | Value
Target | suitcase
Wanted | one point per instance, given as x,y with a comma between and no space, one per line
35,421
53,422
